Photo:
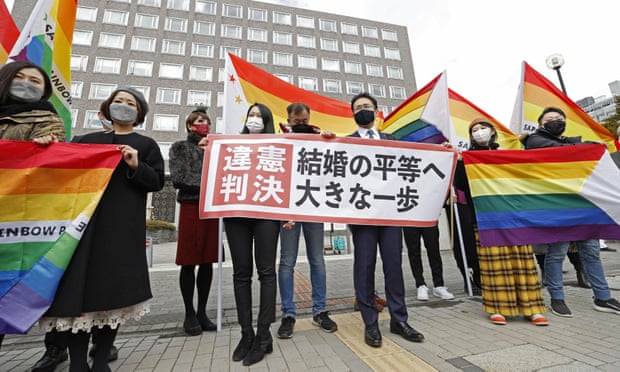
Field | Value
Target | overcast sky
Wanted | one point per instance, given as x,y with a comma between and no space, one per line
481,43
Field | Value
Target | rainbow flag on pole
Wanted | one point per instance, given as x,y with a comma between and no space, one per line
555,194
8,32
46,41
48,195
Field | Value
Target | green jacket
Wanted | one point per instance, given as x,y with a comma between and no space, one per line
26,126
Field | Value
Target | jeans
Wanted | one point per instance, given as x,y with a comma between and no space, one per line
589,252
289,246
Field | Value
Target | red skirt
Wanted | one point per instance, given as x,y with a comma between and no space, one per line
197,242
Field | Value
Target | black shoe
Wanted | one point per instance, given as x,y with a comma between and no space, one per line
192,326
205,323
405,330
53,356
608,249
286,328
245,344
475,290
323,320
372,335
559,308
607,306
113,353
263,344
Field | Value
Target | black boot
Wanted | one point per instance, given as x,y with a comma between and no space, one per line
263,344
244,346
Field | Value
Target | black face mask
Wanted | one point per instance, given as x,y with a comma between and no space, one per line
302,128
555,127
364,117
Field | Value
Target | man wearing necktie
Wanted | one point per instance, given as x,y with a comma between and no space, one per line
365,241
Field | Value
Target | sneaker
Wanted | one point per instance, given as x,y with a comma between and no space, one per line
322,320
539,320
286,328
422,293
442,292
607,306
497,319
559,308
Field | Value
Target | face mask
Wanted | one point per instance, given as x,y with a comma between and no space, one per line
302,128
24,91
123,114
555,127
255,124
106,124
364,117
482,136
200,129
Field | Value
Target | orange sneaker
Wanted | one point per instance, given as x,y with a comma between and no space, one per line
539,320
497,319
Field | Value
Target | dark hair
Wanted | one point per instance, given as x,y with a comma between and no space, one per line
297,108
267,116
548,110
364,95
143,107
10,70
199,112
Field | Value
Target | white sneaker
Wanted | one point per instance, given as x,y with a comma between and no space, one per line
442,292
423,293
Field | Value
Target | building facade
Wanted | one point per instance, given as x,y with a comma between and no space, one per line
601,108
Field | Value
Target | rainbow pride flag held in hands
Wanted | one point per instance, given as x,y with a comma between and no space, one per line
48,194
547,195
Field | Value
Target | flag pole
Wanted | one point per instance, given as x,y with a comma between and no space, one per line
457,219
220,256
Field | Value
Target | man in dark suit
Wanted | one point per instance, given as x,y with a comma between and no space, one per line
365,241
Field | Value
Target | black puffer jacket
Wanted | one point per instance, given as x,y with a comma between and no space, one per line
186,167
542,138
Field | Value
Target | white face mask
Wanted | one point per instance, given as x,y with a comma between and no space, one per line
482,136
255,124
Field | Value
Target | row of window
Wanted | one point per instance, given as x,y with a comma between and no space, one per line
234,11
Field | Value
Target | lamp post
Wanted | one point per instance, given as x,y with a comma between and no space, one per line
554,62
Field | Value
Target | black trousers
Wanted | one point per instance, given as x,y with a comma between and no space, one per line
414,250
253,240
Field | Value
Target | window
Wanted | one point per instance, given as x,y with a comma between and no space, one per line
169,96
74,115
372,50
392,53
231,31
370,32
78,62
376,90
304,41
140,68
206,7
398,93
166,122
76,89
353,67
144,44
303,21
348,28
350,47
306,62
328,64
394,72
329,44
383,109
91,120
389,35
176,24
282,59
170,71
146,21
173,47
146,91
308,83
202,50
256,34
115,41
204,28
178,4
155,3
283,38
257,56
115,17
327,25
101,91
198,98
285,77
233,11
87,14
259,15
82,37
332,86
220,99
224,50
354,87
108,65
282,18
200,73
221,75
374,70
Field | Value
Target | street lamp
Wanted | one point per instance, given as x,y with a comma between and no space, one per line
554,62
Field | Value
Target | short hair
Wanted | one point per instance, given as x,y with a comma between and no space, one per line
143,107
297,108
364,95
10,70
199,112
548,110
267,116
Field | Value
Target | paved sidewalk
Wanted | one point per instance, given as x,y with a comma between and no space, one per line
458,333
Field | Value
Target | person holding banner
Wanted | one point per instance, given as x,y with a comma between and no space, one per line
197,243
365,241
253,240
107,280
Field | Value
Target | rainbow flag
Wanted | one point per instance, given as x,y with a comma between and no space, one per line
46,41
48,195
8,32
536,92
247,84
548,195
